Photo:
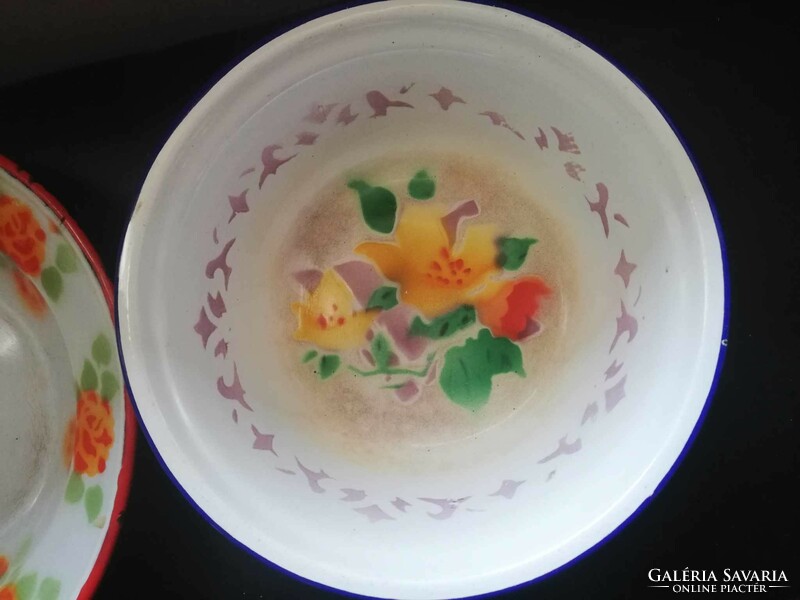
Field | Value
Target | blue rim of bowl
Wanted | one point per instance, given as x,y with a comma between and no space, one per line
700,419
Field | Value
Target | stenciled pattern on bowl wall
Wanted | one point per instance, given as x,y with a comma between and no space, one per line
343,302
90,433
87,441
43,259
23,239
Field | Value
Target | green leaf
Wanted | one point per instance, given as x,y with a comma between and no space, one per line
75,488
513,252
387,370
108,385
49,589
384,297
467,374
378,205
93,502
66,260
381,352
101,350
88,377
5,262
444,326
394,386
52,283
310,355
328,365
421,186
26,586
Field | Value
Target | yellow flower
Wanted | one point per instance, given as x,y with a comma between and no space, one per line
326,317
434,276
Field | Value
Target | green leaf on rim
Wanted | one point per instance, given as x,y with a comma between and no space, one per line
66,259
108,386
93,502
88,377
101,350
75,488
49,589
310,355
52,283
25,586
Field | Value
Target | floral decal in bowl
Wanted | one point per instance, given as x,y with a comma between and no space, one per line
21,236
23,240
396,322
435,278
50,269
90,435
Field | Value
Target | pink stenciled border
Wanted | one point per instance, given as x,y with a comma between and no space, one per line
320,120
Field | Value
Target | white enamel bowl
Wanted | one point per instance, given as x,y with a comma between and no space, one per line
519,499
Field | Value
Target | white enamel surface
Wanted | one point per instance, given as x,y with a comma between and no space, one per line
36,376
536,77
52,538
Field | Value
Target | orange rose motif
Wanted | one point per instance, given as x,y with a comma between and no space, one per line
21,236
30,294
8,592
94,434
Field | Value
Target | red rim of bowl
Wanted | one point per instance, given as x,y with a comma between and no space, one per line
129,443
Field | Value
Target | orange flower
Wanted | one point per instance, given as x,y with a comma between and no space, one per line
21,236
8,592
327,317
29,294
95,433
434,276
506,307
3,565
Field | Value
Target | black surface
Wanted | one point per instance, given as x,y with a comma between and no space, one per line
42,37
724,76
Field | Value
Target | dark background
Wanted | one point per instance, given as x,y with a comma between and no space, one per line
90,91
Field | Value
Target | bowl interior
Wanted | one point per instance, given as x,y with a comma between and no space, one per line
36,375
258,200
